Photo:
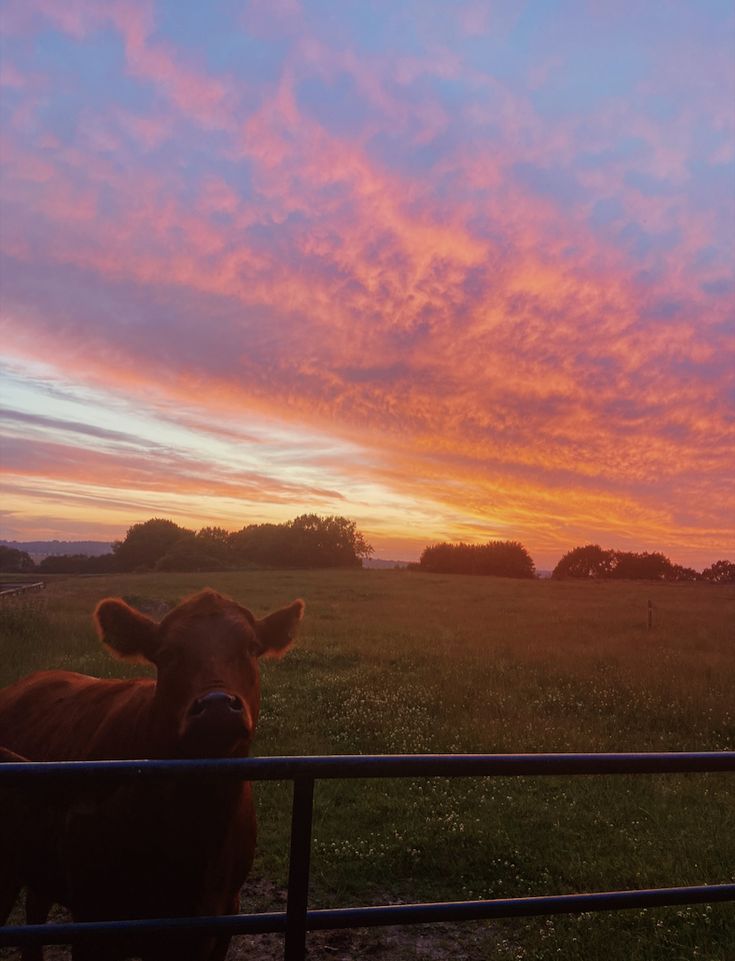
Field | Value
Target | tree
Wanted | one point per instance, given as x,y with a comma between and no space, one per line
145,544
260,544
315,541
721,572
628,565
13,561
587,562
496,558
79,564
188,555
215,541
63,564
102,564
679,573
307,541
209,549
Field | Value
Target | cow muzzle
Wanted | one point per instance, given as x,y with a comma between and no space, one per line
216,721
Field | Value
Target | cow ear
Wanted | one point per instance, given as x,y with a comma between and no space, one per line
277,631
127,633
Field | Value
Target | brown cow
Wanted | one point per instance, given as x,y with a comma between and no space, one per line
159,848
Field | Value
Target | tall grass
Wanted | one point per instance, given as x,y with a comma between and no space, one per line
401,662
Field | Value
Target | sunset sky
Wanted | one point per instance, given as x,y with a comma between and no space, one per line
455,270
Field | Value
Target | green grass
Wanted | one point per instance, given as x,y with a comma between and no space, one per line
400,662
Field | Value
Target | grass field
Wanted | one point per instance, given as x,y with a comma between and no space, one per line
400,662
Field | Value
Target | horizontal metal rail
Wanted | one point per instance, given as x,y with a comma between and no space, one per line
297,920
381,916
383,766
8,590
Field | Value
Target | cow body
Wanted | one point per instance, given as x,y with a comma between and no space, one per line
53,714
163,847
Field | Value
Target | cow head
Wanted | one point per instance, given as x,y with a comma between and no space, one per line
206,652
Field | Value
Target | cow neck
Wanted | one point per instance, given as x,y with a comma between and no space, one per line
161,730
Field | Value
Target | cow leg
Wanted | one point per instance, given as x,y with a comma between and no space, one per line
9,891
174,949
10,888
219,951
88,952
32,952
221,947
11,808
222,943
37,909
8,895
194,948
102,950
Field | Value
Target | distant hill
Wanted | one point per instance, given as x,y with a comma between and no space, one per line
378,564
40,549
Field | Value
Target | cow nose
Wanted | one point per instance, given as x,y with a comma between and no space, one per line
217,701
214,722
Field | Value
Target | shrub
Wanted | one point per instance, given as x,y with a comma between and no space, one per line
496,558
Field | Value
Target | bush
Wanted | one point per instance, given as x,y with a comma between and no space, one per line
496,558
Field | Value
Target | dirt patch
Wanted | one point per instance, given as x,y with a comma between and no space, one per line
389,944
475,941
440,942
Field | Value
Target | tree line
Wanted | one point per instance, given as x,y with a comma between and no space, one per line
593,562
511,559
161,545
314,541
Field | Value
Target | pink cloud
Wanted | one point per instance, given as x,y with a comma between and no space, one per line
188,88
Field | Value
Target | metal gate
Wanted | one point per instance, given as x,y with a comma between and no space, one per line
298,920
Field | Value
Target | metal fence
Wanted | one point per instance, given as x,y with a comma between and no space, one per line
11,589
298,920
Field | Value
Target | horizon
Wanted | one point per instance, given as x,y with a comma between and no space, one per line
548,566
457,272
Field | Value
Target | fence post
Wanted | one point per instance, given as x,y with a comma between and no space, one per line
298,869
